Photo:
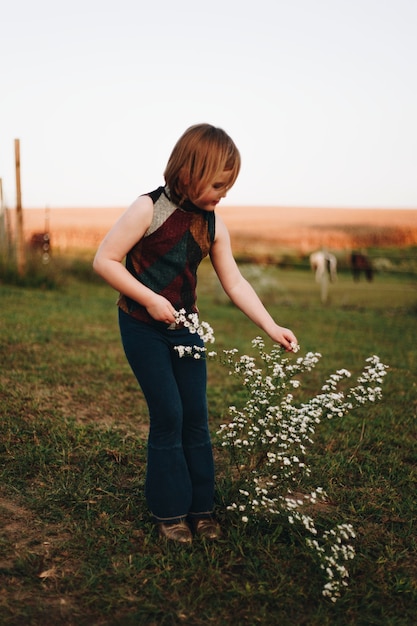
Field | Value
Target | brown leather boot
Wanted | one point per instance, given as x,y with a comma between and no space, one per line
179,532
207,527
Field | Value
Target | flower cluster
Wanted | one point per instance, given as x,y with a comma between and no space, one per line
333,553
202,329
269,438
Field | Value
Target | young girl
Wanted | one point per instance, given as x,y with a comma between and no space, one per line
164,235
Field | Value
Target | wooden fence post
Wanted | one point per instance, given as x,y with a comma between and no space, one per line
2,224
20,242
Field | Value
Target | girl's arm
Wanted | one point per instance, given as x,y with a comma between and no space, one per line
240,292
108,261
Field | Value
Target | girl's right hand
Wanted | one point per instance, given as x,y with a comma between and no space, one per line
161,310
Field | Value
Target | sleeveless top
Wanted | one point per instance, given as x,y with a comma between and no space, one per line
166,258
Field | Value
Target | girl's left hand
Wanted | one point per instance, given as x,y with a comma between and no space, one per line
285,337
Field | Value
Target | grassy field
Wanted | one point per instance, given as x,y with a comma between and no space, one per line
77,543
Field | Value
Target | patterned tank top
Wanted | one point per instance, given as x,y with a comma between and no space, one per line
167,257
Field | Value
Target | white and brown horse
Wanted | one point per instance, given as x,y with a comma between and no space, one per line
324,266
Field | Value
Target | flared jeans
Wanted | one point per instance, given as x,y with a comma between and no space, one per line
180,469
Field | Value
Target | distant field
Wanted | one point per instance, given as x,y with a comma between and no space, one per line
257,228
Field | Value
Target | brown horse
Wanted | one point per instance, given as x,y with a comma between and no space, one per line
361,263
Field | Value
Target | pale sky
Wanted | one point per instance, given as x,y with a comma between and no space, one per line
320,97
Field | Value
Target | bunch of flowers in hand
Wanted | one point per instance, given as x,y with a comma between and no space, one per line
202,329
268,440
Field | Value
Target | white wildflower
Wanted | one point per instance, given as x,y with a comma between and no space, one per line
269,439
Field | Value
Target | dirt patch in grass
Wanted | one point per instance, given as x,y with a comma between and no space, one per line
24,533
35,550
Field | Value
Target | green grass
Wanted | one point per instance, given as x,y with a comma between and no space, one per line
77,543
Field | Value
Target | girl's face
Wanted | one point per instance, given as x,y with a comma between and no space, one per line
211,195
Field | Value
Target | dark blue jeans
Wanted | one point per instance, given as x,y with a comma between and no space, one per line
180,470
